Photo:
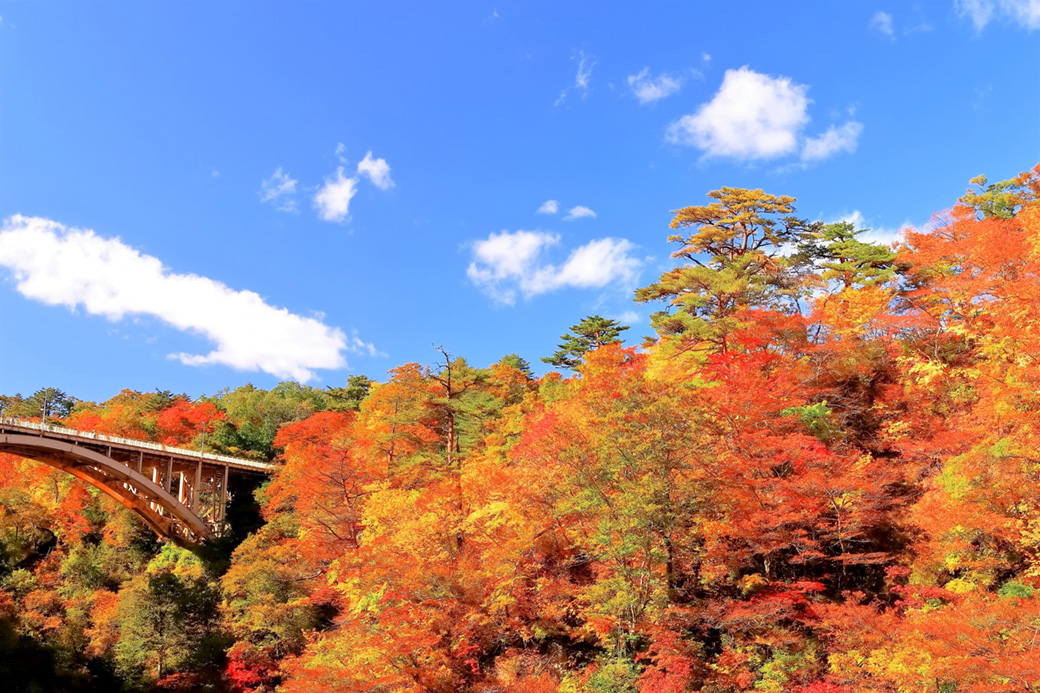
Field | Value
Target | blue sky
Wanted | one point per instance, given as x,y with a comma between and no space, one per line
199,195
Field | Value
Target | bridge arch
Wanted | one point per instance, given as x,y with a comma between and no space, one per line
158,508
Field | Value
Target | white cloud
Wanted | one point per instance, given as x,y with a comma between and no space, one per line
582,78
881,22
752,116
549,207
884,236
649,89
377,171
333,199
356,345
836,139
596,264
855,217
579,212
1025,12
508,262
629,317
279,190
508,257
981,12
72,267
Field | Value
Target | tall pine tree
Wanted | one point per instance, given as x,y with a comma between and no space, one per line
591,333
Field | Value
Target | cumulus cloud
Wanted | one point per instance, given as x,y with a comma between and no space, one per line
596,264
755,116
279,190
579,212
751,116
377,171
981,12
57,265
648,89
333,199
834,140
510,262
881,22
549,207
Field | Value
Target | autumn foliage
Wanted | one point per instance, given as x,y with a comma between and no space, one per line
823,476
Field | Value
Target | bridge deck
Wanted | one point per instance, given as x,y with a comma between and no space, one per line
13,424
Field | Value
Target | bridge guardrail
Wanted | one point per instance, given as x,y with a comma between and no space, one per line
130,442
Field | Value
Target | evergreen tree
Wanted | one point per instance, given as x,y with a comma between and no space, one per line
734,262
57,402
350,397
847,259
518,362
591,333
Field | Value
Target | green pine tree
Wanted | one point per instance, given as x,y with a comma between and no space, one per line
350,397
733,261
847,259
591,333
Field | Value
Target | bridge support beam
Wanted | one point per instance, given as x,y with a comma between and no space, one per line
149,500
224,495
196,488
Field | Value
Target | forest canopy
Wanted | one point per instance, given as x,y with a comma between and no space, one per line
820,475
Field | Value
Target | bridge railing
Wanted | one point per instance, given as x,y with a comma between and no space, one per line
130,442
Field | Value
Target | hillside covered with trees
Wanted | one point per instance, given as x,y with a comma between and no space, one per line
821,475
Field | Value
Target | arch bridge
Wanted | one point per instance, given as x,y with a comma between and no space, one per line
181,494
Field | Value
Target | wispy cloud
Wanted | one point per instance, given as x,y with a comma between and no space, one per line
279,190
1025,13
834,140
549,207
754,116
872,234
58,265
508,263
582,79
356,345
881,22
649,89
584,74
579,212
629,317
